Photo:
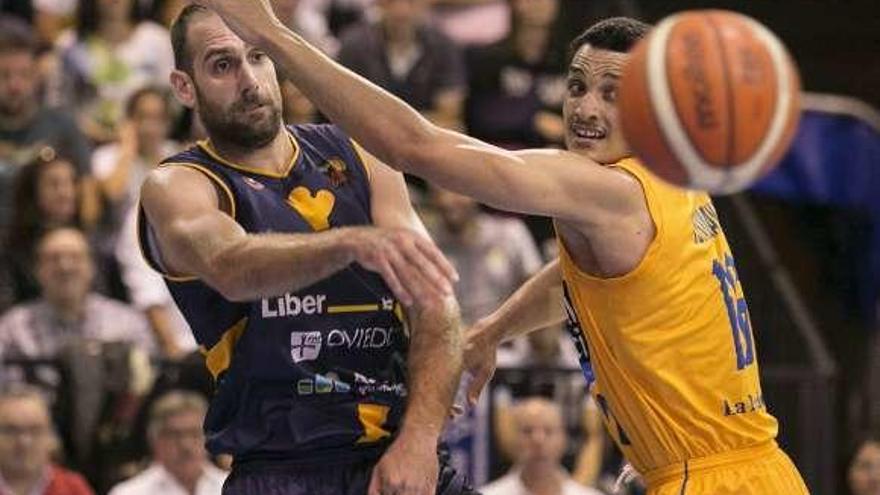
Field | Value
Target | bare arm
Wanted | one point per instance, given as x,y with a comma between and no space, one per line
435,353
551,183
198,239
435,350
535,305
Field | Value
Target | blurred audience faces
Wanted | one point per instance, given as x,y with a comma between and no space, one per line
863,474
180,462
18,74
27,442
456,211
540,443
65,272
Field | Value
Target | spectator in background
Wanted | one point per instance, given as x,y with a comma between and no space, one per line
863,473
121,167
46,196
472,22
148,293
114,54
27,127
180,463
493,254
410,58
68,310
27,441
516,86
540,443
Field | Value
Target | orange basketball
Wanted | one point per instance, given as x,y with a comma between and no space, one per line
710,99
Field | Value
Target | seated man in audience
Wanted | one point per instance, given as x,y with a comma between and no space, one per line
540,443
27,441
180,462
68,310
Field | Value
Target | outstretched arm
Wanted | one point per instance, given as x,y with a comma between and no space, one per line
550,182
536,304
197,238
434,362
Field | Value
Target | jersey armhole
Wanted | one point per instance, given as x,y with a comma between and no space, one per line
152,255
368,171
655,212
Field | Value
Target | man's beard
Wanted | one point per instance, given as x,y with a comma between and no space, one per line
233,127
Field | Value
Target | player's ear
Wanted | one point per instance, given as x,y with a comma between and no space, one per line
184,88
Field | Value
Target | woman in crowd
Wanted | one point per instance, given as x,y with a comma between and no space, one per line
113,55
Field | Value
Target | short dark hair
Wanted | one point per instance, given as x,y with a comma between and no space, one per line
16,36
179,31
616,34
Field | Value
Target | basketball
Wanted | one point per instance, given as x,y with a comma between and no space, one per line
710,100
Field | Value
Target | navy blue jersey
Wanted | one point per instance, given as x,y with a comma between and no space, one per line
309,375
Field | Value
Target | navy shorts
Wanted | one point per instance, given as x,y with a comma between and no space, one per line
329,479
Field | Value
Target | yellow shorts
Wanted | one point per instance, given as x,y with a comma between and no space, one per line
760,470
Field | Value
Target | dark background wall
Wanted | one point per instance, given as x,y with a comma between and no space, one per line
835,43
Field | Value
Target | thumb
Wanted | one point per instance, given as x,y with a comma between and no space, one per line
375,487
475,387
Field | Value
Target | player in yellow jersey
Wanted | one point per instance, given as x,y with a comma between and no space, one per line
651,290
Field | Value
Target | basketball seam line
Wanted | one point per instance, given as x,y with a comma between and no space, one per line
728,89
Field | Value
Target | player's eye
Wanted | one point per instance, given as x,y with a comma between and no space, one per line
222,65
609,94
258,57
576,87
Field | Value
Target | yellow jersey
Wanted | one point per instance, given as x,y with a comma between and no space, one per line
668,347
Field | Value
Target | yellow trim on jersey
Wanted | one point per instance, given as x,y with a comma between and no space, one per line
372,417
215,178
352,308
219,357
209,149
358,151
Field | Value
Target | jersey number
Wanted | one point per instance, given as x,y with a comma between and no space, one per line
737,311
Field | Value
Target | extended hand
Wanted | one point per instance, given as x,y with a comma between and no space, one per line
408,467
412,266
479,359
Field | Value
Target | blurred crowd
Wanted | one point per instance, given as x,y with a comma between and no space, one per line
98,369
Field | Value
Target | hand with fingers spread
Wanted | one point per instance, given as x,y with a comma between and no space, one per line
408,467
479,358
412,266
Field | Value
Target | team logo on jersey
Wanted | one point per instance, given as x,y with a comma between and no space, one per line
313,208
336,171
305,346
254,183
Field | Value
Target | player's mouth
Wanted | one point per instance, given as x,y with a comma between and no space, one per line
586,135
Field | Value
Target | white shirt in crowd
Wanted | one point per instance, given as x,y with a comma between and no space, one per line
146,288
511,484
157,480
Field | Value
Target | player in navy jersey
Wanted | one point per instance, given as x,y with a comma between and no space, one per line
323,308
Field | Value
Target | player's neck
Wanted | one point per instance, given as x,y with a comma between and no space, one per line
273,157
